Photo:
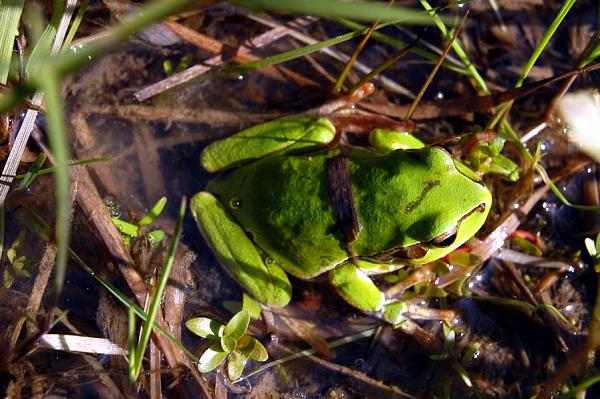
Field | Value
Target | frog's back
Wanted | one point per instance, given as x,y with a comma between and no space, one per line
283,203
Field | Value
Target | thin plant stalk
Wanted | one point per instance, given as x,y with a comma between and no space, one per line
384,65
334,344
340,81
136,367
436,67
456,46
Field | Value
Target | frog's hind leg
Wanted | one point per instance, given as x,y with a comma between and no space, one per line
384,140
280,136
265,281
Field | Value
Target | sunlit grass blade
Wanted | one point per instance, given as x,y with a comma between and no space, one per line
155,304
10,14
357,10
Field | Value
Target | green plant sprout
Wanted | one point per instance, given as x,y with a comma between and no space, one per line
230,342
593,248
457,361
20,265
130,230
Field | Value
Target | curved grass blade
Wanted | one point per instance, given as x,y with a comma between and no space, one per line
357,10
10,14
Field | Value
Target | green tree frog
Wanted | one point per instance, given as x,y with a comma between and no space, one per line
287,202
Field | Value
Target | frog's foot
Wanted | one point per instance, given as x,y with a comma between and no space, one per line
280,136
355,286
265,281
384,140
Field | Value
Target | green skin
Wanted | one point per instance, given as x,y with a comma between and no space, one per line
273,215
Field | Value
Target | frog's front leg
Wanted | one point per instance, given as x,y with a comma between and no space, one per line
384,140
356,287
280,136
265,281
352,282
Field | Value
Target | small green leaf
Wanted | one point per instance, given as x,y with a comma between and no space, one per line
205,327
251,348
441,268
590,246
11,254
435,292
449,340
238,325
228,343
211,358
470,353
598,243
462,259
235,365
156,236
154,212
251,306
32,173
126,228
9,278
527,246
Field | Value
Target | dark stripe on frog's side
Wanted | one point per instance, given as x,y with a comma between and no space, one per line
342,200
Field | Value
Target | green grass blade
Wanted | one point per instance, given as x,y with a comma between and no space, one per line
162,284
75,25
41,50
131,340
457,47
60,150
564,10
300,52
357,10
154,212
10,14
400,44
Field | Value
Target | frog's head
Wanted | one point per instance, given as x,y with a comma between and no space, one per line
462,204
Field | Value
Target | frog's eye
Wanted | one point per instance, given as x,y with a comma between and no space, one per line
445,239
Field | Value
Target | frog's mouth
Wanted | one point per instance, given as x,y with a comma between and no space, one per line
447,240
